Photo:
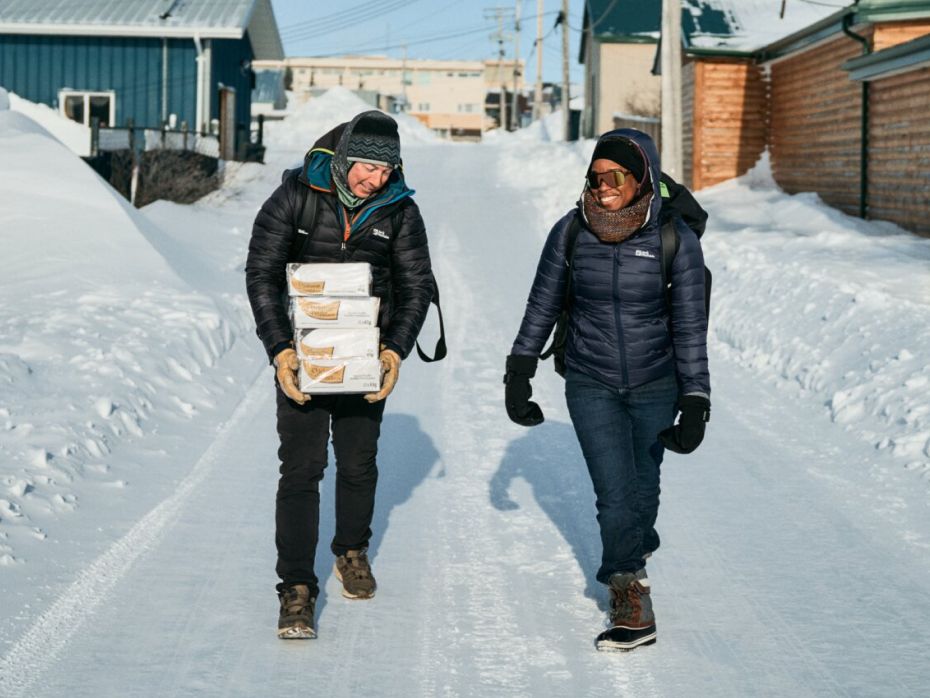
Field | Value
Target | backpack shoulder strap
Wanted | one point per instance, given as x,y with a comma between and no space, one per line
670,243
440,353
306,220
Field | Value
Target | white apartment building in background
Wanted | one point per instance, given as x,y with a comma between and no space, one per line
447,96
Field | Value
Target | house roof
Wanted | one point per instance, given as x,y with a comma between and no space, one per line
743,26
620,21
207,19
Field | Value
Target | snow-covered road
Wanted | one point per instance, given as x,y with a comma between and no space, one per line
783,569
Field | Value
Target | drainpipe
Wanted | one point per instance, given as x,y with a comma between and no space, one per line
198,119
864,137
164,80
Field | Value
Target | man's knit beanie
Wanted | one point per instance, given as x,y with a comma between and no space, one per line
374,140
623,152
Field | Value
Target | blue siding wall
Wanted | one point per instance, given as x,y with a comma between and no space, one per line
228,57
37,67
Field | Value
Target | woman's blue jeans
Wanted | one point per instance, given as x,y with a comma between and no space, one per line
618,432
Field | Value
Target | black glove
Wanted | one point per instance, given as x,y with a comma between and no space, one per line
687,435
518,392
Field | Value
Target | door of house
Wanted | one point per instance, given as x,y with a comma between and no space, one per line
227,123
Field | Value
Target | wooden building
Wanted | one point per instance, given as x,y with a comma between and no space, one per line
841,106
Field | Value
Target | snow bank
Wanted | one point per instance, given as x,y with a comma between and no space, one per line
102,342
307,122
831,307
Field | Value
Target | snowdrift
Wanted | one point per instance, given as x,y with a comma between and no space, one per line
308,121
102,341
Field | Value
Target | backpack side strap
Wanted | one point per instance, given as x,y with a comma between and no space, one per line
440,353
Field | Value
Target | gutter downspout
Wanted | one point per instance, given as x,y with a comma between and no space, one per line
198,123
164,80
864,135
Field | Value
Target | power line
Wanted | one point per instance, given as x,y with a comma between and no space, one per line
333,17
347,21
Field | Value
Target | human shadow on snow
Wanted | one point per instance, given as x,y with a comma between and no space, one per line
550,460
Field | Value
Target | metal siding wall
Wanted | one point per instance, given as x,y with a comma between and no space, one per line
182,80
815,124
37,67
227,60
899,150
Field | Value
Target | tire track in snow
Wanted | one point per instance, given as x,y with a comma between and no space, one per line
38,648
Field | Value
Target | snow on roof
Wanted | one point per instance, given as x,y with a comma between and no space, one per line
223,19
747,25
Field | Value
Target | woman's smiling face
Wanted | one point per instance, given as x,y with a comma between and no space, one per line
607,194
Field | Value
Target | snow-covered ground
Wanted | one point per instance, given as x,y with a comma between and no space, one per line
137,451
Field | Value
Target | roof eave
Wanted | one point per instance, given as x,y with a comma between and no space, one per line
125,30
902,58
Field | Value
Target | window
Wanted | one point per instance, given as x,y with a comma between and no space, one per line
85,106
423,106
467,108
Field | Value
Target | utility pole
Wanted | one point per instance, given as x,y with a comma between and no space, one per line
566,98
537,90
515,110
500,13
671,88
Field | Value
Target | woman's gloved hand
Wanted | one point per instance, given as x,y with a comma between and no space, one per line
285,366
390,369
517,391
687,435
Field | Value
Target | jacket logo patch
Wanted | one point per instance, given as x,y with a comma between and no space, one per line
645,253
380,233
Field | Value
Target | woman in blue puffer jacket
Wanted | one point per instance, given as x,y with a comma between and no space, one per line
632,362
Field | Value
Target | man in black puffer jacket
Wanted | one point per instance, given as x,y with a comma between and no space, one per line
364,213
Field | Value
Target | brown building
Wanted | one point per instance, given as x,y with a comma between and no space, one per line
841,106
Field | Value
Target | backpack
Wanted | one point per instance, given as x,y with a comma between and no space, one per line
676,199
307,220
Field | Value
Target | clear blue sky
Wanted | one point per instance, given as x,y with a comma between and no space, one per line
439,29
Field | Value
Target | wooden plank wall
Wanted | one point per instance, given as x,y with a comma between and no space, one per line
815,131
891,34
729,117
899,150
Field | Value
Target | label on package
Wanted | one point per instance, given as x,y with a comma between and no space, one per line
326,279
333,376
334,312
338,343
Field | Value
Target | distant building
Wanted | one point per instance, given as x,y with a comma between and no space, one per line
447,96
170,61
618,44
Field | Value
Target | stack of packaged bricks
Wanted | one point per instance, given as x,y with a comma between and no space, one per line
335,320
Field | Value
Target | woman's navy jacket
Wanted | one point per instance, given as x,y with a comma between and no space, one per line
620,330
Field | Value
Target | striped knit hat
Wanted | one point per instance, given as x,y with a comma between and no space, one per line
374,139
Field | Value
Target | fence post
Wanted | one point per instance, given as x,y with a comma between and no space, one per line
134,178
184,133
164,127
261,128
94,136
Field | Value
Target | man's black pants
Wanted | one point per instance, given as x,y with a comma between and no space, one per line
304,432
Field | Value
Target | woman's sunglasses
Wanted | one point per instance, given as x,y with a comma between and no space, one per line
612,178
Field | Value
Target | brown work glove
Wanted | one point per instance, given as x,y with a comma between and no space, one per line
390,367
285,365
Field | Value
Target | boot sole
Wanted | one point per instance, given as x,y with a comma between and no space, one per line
295,633
619,639
347,594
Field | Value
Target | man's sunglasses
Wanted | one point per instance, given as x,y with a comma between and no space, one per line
612,178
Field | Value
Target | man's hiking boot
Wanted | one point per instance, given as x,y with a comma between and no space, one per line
296,619
632,621
353,570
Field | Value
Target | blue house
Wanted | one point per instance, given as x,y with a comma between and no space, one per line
152,61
